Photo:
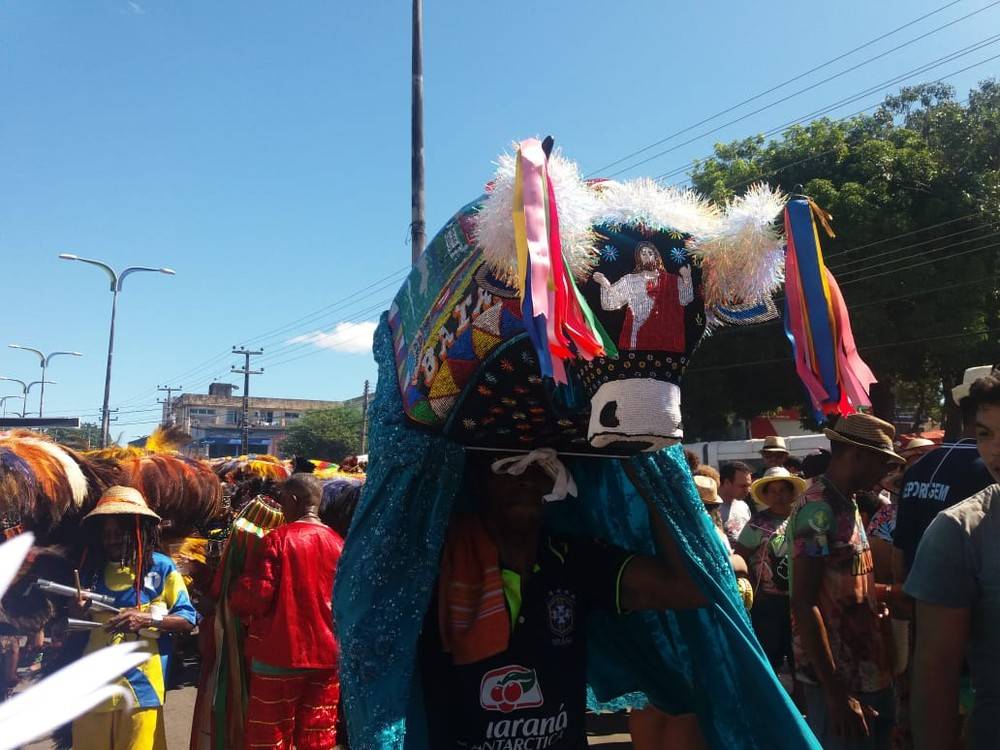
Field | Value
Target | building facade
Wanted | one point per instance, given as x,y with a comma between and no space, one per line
214,420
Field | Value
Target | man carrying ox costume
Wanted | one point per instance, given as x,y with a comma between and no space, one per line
146,586
503,650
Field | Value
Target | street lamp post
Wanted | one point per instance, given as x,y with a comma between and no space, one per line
116,279
26,389
3,403
44,359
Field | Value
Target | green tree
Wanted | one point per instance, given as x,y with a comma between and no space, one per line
86,437
923,169
328,435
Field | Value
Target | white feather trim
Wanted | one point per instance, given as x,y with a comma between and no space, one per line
575,206
70,692
74,474
644,202
743,260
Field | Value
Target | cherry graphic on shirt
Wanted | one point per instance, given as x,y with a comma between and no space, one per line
512,692
497,693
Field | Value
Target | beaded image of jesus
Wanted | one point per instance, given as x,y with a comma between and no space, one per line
655,300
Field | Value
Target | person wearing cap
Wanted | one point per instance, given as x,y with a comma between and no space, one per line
503,653
916,449
771,614
774,452
955,580
842,653
286,595
943,477
121,562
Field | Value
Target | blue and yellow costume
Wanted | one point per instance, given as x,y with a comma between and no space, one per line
113,725
163,585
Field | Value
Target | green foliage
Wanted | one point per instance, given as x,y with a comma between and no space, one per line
327,435
86,437
920,160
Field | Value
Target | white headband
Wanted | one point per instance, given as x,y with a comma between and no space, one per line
548,460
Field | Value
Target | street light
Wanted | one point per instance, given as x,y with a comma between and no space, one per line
3,403
116,279
44,360
26,389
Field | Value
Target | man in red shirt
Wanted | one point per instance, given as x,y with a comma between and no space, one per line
286,597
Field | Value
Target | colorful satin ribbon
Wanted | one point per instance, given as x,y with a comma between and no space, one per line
559,322
816,319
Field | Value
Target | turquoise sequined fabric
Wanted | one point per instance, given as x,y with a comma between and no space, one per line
707,661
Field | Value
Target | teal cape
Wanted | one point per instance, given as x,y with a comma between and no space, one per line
706,661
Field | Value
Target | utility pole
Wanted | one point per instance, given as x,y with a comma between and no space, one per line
246,372
168,415
364,419
417,225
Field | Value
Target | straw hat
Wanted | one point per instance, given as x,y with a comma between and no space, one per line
708,489
916,444
968,378
774,444
776,474
865,431
121,501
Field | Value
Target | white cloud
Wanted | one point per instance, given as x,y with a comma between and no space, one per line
353,338
135,7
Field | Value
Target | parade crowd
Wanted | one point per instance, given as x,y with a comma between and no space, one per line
870,572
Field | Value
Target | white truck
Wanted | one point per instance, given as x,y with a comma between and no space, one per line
719,452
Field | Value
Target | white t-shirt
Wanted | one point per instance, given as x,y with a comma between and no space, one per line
735,515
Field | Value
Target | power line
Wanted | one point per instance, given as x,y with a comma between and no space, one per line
772,89
904,234
889,83
893,251
825,152
797,92
925,291
263,338
907,258
887,345
922,263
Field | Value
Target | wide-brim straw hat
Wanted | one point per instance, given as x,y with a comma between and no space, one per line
776,474
969,377
121,501
708,490
865,431
916,444
774,444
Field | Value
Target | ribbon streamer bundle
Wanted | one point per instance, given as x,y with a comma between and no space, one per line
816,318
559,321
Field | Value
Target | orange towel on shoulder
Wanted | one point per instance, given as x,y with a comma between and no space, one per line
472,612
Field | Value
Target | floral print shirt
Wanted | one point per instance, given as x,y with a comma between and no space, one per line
825,524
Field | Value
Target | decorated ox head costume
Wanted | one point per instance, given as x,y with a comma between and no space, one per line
558,314
554,312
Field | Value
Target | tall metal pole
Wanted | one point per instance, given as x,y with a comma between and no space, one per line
246,372
116,279
105,414
41,391
417,225
43,360
168,417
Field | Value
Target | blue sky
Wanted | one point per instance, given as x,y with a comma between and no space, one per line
261,149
